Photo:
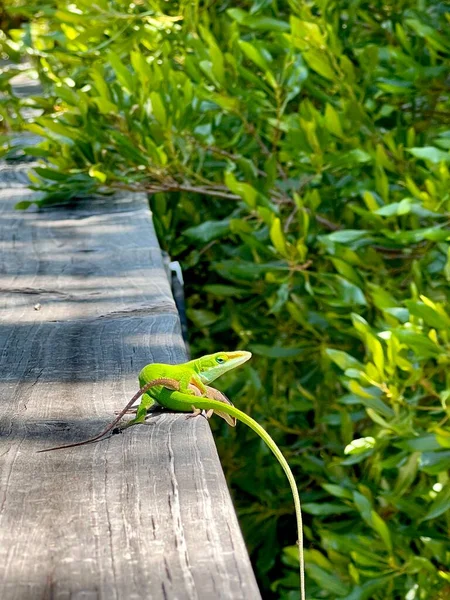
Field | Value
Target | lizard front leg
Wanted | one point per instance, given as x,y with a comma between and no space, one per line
159,381
147,401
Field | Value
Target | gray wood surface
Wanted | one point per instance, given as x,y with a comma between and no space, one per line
84,305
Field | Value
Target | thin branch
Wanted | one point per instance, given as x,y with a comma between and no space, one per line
213,190
326,223
302,267
176,187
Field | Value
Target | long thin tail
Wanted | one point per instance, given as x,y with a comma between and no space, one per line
205,403
170,383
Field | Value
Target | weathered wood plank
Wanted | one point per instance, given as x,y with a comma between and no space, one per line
145,514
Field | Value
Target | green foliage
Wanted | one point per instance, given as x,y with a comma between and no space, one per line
297,161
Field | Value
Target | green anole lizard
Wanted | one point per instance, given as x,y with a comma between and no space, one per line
184,388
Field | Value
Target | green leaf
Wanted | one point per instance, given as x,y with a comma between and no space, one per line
422,443
277,237
50,174
224,291
367,589
332,121
226,102
404,207
431,154
433,37
360,445
306,34
244,190
406,474
369,401
158,108
208,231
346,236
277,351
343,360
376,349
258,23
325,508
440,505
419,343
430,316
319,62
379,420
326,580
217,60
124,76
255,55
96,173
249,271
349,294
352,158
337,490
57,131
372,519
141,68
379,525
356,458
23,205
434,463
202,318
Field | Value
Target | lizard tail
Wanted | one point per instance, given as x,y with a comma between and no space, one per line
206,403
170,383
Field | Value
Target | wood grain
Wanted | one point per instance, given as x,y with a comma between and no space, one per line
84,305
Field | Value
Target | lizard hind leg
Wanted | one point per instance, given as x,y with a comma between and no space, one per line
195,413
141,411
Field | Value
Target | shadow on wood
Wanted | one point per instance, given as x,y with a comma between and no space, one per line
85,305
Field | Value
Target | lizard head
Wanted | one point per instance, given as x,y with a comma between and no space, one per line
212,366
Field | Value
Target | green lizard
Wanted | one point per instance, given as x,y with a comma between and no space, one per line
184,388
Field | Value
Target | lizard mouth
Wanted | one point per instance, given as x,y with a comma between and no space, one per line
239,357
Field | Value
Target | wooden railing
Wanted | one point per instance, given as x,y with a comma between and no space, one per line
85,304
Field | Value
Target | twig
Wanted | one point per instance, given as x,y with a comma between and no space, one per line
328,224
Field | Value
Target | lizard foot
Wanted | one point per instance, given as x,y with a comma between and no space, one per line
195,412
198,411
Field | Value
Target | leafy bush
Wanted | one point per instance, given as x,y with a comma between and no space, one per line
296,159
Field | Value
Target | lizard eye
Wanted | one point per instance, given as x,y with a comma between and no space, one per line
220,360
